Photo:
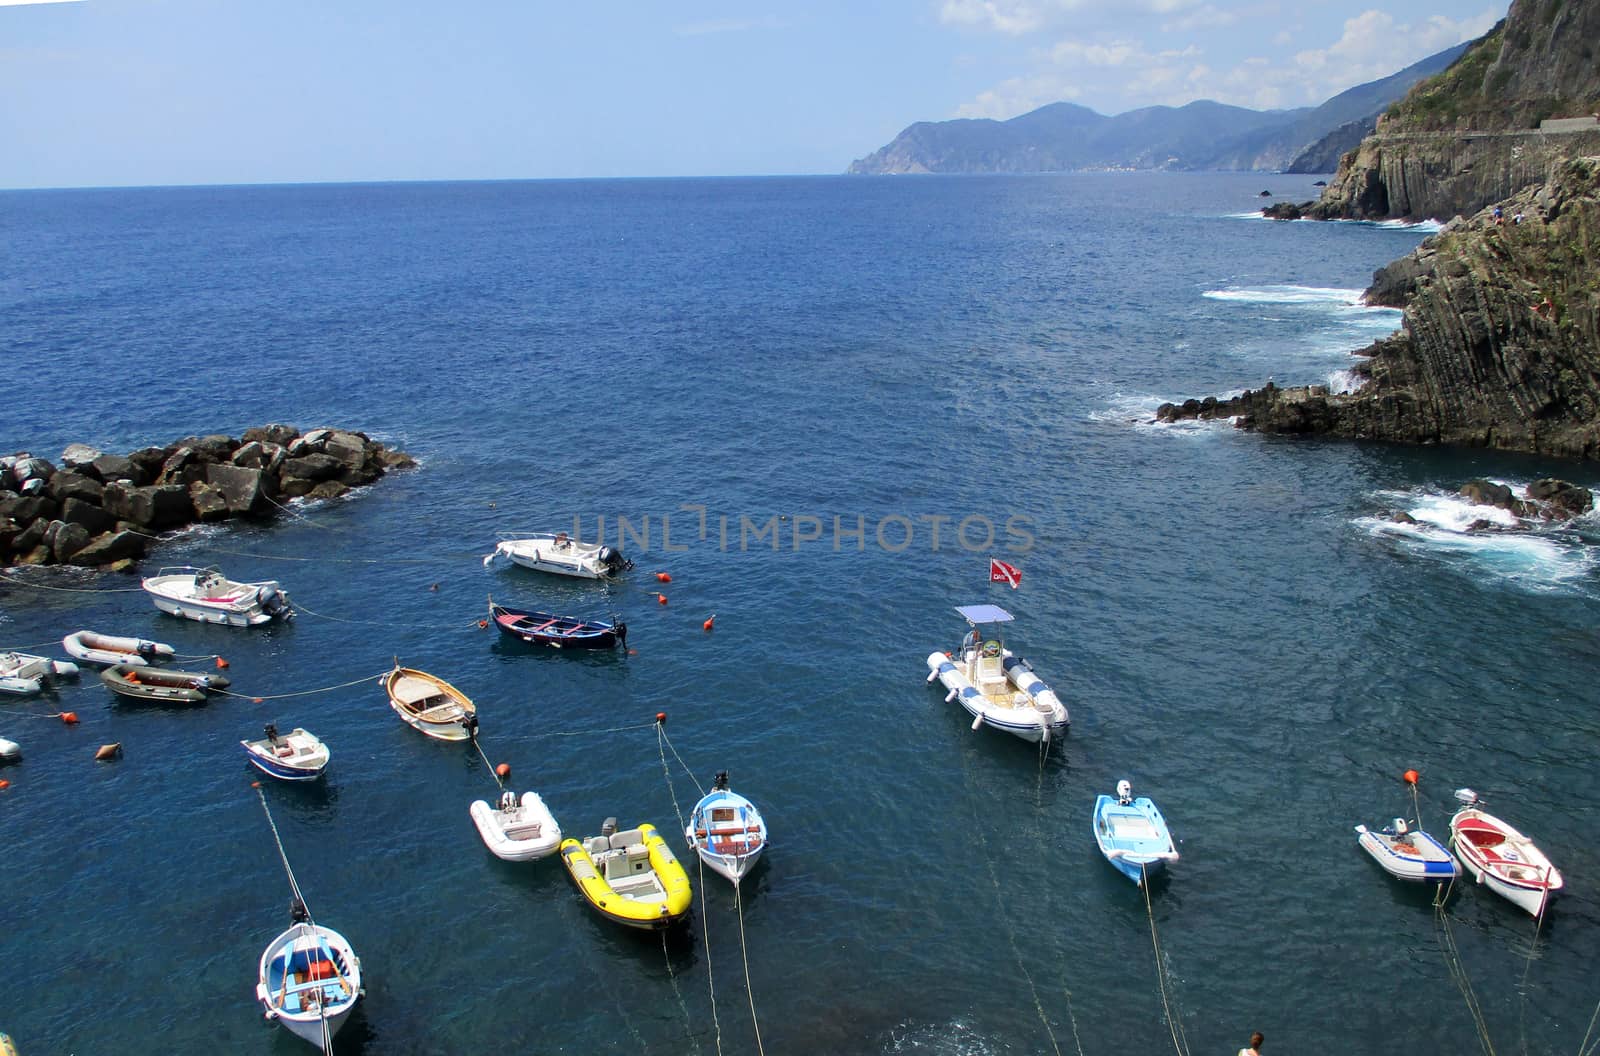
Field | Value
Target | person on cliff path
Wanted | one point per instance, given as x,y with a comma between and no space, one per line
1254,1049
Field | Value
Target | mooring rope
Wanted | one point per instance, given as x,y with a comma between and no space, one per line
661,726
492,771
738,905
1584,1048
300,606
6,576
1527,966
282,856
1011,935
25,648
688,1023
1458,972
299,693
705,932
596,733
1180,1040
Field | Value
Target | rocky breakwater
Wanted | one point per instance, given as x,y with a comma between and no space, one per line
1543,500
101,509
1500,343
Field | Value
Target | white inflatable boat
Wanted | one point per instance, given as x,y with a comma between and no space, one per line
517,830
24,674
996,687
108,650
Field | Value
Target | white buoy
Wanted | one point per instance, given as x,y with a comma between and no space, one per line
10,751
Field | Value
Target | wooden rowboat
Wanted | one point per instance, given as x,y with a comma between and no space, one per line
430,704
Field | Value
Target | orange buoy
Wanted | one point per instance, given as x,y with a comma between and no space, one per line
661,599
709,621
662,577
4,783
661,718
482,624
221,663
1411,777
70,718
108,751
503,771
258,700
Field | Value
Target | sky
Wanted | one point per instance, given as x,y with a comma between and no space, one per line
154,92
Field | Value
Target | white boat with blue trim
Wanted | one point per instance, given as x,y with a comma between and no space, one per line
996,687
1132,834
726,831
309,980
1408,853
206,595
563,555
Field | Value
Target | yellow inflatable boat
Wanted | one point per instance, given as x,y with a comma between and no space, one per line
7,1046
629,876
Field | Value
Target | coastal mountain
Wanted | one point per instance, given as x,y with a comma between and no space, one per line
1201,135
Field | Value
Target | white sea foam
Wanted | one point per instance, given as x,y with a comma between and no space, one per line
1139,410
1287,294
1342,381
1531,555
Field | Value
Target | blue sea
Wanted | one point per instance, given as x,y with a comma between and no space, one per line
778,391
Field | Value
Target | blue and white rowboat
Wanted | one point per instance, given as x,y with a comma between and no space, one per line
727,831
294,756
1132,834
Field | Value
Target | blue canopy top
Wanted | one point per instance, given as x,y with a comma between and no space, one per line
984,614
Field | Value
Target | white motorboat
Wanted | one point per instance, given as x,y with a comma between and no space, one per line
562,555
24,674
518,830
107,650
1501,858
727,831
996,687
293,756
1408,853
309,979
206,595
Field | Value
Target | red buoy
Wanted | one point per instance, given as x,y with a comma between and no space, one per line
221,663
1411,777
662,577
258,700
661,599
709,621
503,771
70,718
4,784
482,624
661,718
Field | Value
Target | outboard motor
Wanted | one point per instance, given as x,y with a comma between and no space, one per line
1124,792
622,632
1399,826
508,800
1466,797
720,782
298,913
608,827
613,561
271,730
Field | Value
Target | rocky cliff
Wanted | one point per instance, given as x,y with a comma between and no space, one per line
1500,345
1469,137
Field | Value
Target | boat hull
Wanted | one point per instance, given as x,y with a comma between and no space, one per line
1031,712
294,989
728,833
1415,856
668,902
525,833
24,675
1504,860
1133,837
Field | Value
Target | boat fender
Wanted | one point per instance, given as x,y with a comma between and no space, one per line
977,722
948,697
109,751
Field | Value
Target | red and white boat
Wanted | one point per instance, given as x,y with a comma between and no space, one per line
1501,858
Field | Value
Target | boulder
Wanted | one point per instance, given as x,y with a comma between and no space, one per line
158,506
1561,498
39,555
183,467
328,489
30,537
359,476
27,508
281,435
294,487
69,484
77,456
395,459
28,468
244,490
88,514
119,467
1482,492
69,539
312,466
209,505
213,448
346,447
111,547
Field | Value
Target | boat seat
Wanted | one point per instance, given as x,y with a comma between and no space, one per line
526,830
626,838
596,844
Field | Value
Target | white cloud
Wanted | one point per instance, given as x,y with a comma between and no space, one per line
1019,17
1116,72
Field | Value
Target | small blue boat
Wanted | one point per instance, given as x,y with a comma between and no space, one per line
1132,834
293,756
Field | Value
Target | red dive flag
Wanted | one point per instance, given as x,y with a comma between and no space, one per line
1000,572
